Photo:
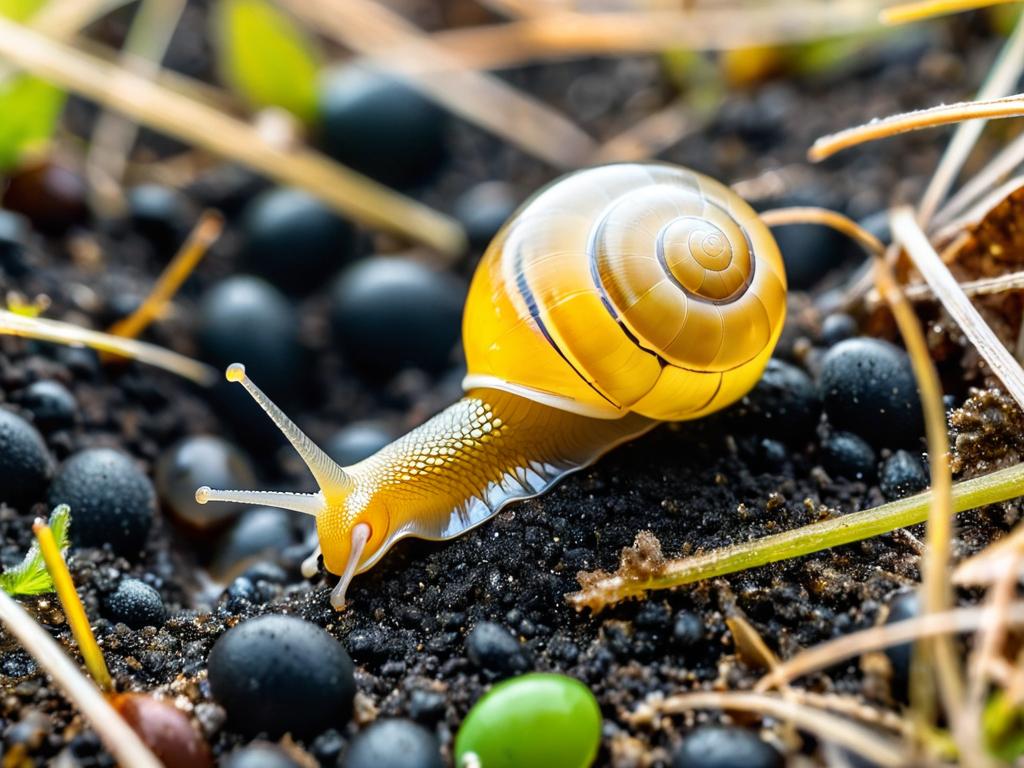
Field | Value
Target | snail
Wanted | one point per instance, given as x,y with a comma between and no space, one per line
616,298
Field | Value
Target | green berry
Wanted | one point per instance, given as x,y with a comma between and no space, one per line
539,720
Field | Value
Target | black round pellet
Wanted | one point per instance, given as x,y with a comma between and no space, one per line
394,744
391,313
258,532
837,327
14,233
53,407
246,320
354,442
492,647
905,605
868,387
136,604
687,629
483,209
381,127
161,214
259,755
295,241
25,464
111,499
725,747
903,474
844,454
197,461
784,404
277,674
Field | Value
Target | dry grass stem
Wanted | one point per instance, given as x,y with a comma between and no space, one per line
831,652
778,217
1002,164
197,123
1004,366
113,136
368,28
57,332
936,587
905,13
63,19
1001,80
988,644
958,229
652,135
988,566
120,740
870,744
826,146
74,611
985,286
205,234
574,34
600,590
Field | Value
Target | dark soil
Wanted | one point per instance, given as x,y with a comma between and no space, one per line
696,486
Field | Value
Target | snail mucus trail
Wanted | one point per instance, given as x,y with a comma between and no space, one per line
615,298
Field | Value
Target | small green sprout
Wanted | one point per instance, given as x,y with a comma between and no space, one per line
31,577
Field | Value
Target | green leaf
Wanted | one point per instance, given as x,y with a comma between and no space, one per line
20,10
1003,727
30,107
31,576
265,57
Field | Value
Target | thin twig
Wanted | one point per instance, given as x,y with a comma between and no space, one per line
935,566
985,286
1001,80
1004,366
778,217
655,133
205,234
1002,164
831,652
55,331
826,146
113,136
878,749
120,740
198,123
607,589
988,642
561,35
398,47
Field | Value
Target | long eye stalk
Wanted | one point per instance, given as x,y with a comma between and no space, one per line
329,476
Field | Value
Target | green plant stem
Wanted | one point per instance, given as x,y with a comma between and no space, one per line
1002,485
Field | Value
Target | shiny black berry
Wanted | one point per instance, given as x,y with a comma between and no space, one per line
136,604
111,499
390,313
711,746
903,474
279,674
844,454
295,241
25,464
868,387
53,407
394,744
381,127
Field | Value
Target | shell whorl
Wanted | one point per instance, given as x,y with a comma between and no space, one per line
657,287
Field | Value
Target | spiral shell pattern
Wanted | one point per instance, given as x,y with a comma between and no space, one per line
645,288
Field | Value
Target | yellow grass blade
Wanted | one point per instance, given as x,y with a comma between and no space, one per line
1011,106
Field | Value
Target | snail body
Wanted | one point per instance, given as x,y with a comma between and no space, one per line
616,298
